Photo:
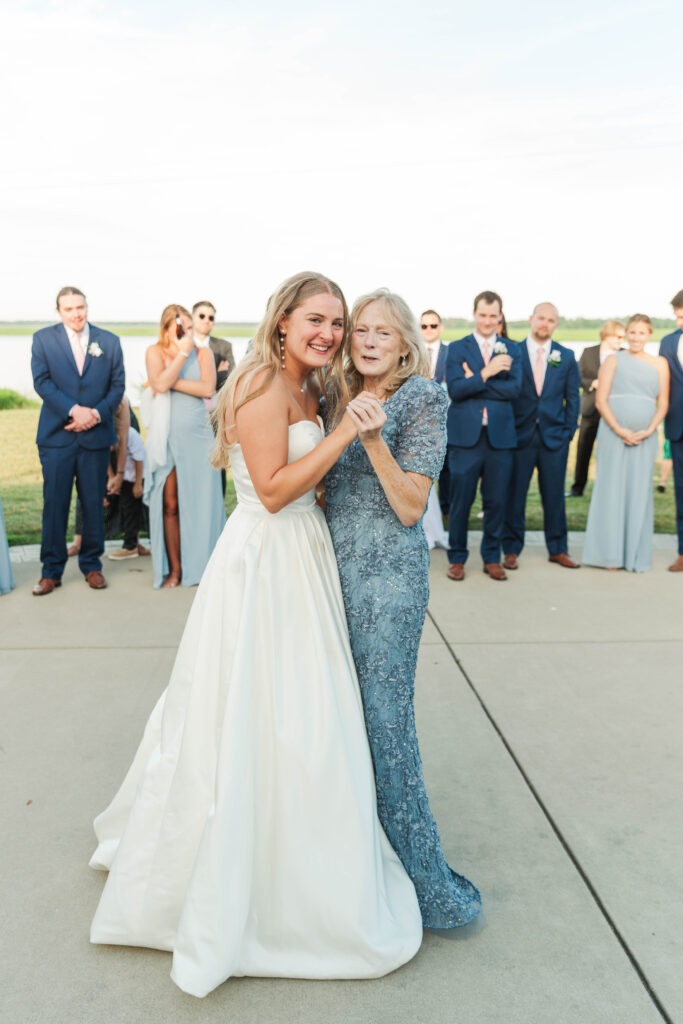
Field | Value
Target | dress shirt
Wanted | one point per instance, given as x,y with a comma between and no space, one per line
532,348
83,342
433,354
201,342
481,341
135,452
680,350
606,353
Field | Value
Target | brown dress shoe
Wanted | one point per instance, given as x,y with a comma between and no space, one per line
45,586
143,550
564,560
495,571
510,561
456,571
95,579
677,566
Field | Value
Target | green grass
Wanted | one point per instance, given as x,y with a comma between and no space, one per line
13,400
145,330
22,489
21,481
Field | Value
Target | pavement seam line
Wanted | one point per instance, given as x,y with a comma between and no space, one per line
642,976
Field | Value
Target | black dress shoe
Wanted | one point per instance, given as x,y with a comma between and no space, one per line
574,494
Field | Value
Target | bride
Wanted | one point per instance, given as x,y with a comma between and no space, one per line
245,837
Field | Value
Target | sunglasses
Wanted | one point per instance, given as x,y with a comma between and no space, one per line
206,316
425,326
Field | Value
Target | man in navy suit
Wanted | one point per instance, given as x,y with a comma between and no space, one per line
483,376
672,350
546,414
431,327
78,372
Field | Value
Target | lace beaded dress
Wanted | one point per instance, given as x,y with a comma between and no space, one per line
383,567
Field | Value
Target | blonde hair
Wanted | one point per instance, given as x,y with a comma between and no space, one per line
640,318
167,318
609,328
414,363
264,354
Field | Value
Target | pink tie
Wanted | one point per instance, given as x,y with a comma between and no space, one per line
538,371
486,355
79,354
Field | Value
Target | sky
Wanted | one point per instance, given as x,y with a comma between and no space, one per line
172,152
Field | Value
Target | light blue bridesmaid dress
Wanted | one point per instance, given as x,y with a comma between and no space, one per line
6,574
621,515
200,497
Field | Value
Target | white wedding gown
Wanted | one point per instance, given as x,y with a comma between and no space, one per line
245,836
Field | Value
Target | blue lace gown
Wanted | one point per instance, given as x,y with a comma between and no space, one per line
383,567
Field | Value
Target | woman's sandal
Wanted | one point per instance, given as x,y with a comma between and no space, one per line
172,580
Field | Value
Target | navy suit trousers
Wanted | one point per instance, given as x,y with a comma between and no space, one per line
552,467
677,459
466,465
60,466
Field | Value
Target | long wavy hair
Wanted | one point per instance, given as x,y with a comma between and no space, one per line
167,318
414,363
264,354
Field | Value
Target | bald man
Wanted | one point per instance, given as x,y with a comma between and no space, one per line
546,414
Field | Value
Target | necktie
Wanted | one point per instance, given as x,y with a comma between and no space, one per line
79,354
486,355
538,370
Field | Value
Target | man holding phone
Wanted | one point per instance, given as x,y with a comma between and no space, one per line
78,372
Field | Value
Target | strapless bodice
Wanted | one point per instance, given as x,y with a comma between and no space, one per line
303,437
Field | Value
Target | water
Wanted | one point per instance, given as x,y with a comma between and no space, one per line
15,362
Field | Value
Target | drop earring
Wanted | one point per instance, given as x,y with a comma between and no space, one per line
282,351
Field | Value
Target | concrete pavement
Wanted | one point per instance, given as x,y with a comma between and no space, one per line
549,713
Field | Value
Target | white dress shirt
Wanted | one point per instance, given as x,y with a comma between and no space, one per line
433,354
680,350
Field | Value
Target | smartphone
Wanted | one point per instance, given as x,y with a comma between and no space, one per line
180,330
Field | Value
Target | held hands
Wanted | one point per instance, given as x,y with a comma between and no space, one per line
114,483
496,365
632,437
368,416
82,418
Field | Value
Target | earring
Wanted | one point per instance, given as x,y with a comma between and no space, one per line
282,350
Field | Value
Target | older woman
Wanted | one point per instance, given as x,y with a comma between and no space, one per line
245,836
375,498
632,399
186,510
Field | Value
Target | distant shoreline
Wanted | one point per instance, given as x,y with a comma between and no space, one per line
518,330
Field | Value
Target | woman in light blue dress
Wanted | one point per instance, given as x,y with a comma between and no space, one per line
375,497
632,399
6,574
186,509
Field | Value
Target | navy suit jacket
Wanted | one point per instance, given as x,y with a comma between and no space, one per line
469,395
556,409
59,384
673,424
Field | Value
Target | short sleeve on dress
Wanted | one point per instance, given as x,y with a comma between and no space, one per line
422,434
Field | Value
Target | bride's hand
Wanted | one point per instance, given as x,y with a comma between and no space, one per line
347,428
368,415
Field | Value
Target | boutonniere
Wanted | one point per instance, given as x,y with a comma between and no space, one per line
554,357
94,349
500,349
